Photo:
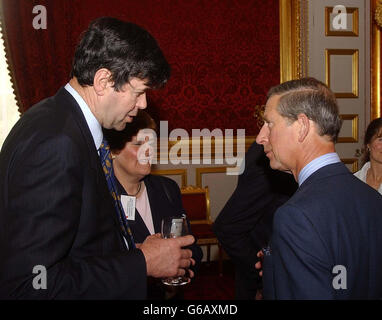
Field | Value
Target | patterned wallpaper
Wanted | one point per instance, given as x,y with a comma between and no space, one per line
224,54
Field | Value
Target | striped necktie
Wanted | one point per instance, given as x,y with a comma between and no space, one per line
106,161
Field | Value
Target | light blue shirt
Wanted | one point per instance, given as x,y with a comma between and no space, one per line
316,164
91,120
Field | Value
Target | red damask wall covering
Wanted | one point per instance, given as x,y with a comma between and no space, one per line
224,54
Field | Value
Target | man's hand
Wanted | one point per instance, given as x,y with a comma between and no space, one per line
259,264
165,257
190,272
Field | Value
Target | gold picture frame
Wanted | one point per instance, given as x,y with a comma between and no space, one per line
355,29
355,68
203,170
354,125
172,172
293,39
353,162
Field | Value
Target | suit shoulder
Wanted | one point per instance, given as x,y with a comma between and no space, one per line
45,117
335,196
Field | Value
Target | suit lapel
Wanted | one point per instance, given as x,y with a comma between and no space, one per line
140,225
140,229
65,100
155,203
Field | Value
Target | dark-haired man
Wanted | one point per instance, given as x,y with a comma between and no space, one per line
60,235
326,239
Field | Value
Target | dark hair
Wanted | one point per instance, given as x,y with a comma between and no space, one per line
372,129
118,139
123,48
312,98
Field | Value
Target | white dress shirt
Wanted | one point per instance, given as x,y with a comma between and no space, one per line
362,174
91,120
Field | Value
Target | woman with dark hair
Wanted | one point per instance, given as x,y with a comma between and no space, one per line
155,197
371,172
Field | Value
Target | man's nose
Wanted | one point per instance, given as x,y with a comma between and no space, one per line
141,101
262,137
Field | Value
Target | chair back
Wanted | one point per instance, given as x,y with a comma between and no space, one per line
196,202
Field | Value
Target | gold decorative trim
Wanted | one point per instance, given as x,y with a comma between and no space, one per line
201,171
197,190
258,115
375,106
187,143
173,172
353,33
192,189
355,68
293,39
354,126
303,33
353,162
378,14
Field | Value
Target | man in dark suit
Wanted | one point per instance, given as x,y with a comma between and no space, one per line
60,236
244,225
326,239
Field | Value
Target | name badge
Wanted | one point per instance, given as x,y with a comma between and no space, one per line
128,204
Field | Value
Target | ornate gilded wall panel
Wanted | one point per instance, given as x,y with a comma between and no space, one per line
376,25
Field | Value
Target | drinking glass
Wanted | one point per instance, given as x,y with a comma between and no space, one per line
173,227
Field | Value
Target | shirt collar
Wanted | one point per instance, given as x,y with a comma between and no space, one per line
364,171
91,120
316,164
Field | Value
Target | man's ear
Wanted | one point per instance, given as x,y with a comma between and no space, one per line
102,81
304,126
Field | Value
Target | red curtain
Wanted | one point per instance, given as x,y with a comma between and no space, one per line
224,54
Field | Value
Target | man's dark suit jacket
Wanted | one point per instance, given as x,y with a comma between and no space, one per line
245,223
334,219
56,211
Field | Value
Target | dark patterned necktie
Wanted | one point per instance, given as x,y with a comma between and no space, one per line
106,161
